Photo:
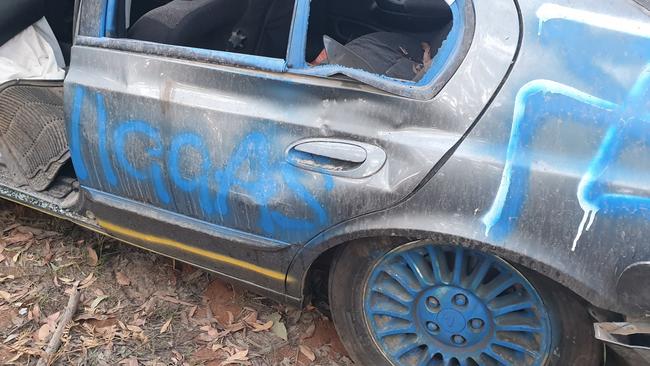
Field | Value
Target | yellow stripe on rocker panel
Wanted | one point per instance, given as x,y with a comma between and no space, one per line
157,240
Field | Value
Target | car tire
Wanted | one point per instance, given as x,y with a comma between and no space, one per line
440,317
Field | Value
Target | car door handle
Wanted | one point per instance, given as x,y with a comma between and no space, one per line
337,157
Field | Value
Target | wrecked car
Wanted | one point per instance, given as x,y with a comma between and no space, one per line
462,182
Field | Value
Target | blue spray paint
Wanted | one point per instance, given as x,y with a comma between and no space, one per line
265,184
200,182
120,138
75,134
101,131
625,122
252,171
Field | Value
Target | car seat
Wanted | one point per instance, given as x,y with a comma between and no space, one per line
264,29
190,23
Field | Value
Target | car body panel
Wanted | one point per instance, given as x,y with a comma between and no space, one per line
555,175
189,158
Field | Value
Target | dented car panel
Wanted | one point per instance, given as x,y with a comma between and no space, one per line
199,155
554,176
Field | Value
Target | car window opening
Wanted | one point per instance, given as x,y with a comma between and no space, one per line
253,27
395,39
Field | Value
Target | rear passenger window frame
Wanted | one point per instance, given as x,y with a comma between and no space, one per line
445,63
98,32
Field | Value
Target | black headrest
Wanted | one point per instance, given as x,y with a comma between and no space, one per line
181,21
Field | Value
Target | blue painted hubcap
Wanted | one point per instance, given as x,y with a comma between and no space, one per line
435,305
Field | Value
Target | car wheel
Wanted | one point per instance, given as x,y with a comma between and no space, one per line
426,304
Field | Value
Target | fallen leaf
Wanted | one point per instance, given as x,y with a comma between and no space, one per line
47,253
52,318
3,279
166,326
122,279
36,310
262,327
307,352
66,280
236,357
18,238
134,328
174,301
192,311
43,332
5,296
87,316
278,327
93,259
15,358
86,282
309,332
29,230
97,301
9,228
235,327
131,361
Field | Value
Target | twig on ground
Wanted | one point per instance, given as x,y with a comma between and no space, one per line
55,341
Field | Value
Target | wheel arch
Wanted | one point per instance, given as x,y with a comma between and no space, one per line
320,255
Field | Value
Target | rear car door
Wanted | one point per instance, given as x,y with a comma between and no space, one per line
255,150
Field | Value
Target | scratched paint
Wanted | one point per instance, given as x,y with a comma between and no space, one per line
620,109
166,164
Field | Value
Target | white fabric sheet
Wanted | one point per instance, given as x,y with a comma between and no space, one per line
34,53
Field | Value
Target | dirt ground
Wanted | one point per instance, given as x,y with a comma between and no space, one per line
138,308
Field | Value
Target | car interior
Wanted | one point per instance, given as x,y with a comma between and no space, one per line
255,27
387,37
394,38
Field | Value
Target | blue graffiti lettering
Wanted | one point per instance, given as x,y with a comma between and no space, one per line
120,137
624,122
75,133
262,187
101,131
251,171
179,144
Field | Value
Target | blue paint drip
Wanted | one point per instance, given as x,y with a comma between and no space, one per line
101,131
75,134
623,126
190,140
511,195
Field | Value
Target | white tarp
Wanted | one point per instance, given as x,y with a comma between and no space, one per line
34,53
